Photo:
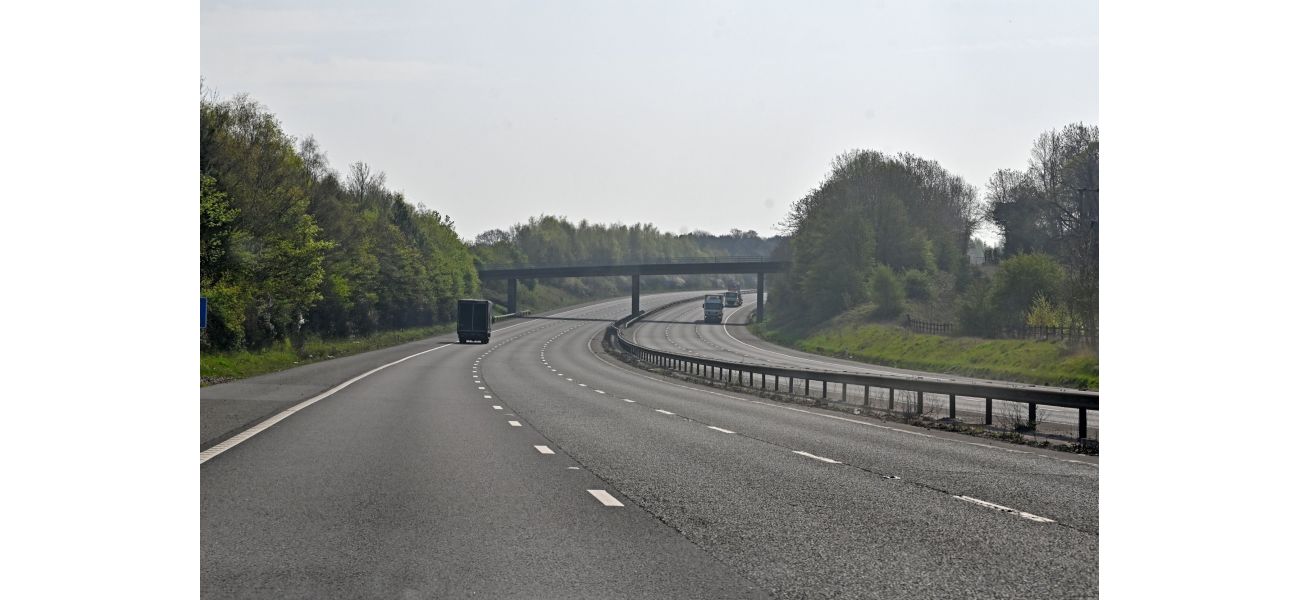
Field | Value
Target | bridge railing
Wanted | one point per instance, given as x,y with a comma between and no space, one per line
672,260
735,373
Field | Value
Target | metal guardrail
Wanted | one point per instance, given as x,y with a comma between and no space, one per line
734,372
522,313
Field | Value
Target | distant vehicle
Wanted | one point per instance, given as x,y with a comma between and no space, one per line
713,308
473,320
733,298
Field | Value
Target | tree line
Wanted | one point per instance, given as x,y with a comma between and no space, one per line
884,230
288,246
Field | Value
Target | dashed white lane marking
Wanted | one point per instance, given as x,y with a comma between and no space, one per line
487,396
574,468
481,387
515,424
660,410
569,378
605,498
632,401
212,452
582,384
814,456
721,429
600,391
544,450
495,407
1018,513
834,417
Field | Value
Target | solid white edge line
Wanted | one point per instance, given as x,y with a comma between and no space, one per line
814,456
605,498
999,507
216,450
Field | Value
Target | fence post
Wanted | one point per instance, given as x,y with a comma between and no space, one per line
988,411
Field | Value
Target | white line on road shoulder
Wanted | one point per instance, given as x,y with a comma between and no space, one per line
605,498
212,452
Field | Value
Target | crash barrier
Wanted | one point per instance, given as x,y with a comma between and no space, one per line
513,315
735,372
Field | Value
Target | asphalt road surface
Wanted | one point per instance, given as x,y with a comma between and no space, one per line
539,467
682,329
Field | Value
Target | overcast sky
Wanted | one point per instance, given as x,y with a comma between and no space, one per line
688,115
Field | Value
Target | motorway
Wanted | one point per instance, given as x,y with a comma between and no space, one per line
538,466
682,329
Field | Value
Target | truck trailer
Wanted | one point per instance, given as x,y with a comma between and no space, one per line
474,320
733,298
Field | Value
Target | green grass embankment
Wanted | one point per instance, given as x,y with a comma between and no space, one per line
225,366
1026,361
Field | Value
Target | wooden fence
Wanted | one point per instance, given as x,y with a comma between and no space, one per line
1069,334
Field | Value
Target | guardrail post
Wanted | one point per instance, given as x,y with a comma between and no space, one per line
1083,424
823,389
789,385
844,391
762,380
952,406
1033,413
891,398
920,403
988,411
805,386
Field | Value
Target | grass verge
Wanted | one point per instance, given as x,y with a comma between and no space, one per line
1026,361
220,367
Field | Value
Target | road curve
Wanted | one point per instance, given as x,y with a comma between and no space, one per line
496,471
682,329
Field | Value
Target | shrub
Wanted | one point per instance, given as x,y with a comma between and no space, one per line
886,292
917,285
1020,280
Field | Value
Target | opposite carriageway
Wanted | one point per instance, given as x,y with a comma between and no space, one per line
739,265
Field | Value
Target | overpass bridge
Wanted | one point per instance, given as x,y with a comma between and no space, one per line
740,265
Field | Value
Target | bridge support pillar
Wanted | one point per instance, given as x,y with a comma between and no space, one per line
512,295
759,316
636,294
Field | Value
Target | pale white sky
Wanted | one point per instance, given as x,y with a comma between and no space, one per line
688,115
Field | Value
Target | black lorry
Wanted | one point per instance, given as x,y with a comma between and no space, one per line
473,320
